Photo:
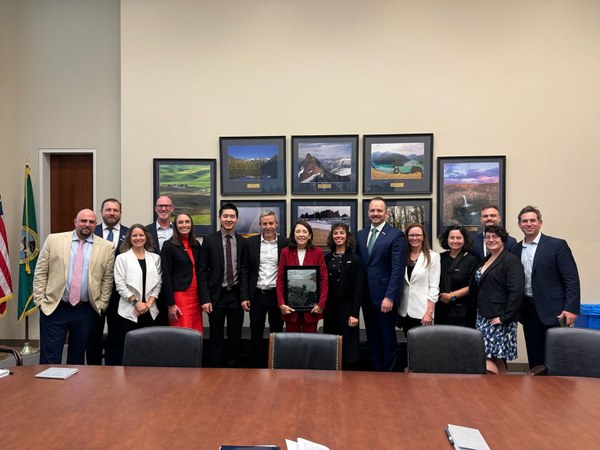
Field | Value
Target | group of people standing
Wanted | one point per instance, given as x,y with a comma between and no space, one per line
162,275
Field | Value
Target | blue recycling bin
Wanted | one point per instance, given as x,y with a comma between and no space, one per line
589,317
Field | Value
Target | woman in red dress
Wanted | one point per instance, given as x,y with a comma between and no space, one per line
302,252
179,260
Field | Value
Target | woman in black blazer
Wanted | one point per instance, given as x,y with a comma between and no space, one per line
346,281
180,257
497,287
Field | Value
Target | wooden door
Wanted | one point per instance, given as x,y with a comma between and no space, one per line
71,185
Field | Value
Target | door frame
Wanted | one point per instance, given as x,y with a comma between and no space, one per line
44,155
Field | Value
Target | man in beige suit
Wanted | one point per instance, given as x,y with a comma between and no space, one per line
72,286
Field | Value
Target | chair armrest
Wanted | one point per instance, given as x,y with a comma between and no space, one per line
538,370
14,352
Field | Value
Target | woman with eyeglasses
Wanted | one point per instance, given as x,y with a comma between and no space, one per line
421,281
457,268
497,289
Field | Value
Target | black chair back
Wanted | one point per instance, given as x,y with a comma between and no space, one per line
163,347
305,351
445,349
573,352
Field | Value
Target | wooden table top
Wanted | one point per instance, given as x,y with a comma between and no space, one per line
138,407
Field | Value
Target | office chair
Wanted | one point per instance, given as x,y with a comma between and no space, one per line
571,352
14,352
445,349
163,347
305,351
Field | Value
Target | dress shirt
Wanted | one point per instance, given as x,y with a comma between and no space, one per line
116,233
527,256
164,234
379,228
233,257
267,268
87,251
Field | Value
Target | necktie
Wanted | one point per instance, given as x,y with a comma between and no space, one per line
75,290
372,239
110,236
229,268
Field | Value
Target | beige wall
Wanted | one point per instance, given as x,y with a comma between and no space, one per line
59,85
514,78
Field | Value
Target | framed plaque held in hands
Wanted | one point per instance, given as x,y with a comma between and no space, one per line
301,287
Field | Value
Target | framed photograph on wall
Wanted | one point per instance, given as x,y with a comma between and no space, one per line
321,214
252,165
325,164
301,287
397,163
402,212
190,183
249,211
465,185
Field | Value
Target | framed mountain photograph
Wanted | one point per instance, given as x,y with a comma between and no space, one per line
325,164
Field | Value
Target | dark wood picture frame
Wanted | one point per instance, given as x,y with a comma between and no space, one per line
253,165
325,164
397,164
249,215
404,211
321,214
301,287
191,185
465,185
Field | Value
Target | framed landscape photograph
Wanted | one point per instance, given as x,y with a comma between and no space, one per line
403,212
398,163
190,183
465,185
321,214
249,211
325,164
301,287
252,165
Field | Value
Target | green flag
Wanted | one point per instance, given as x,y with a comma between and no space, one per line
29,251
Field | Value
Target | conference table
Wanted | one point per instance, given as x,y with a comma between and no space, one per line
178,408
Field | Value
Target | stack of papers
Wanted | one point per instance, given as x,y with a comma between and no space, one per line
58,373
465,438
304,444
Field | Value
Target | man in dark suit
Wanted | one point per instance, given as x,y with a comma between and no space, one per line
224,286
113,231
552,289
263,251
383,250
162,229
488,215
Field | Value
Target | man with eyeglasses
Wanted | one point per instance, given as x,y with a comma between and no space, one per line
162,229
552,289
488,215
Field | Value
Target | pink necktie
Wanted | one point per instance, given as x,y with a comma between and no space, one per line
75,291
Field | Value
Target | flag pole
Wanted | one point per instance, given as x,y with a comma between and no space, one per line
28,349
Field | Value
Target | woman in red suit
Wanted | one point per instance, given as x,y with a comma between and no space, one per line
302,252
179,258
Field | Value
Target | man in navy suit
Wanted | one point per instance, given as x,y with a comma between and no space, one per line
162,229
488,215
383,250
224,286
263,250
113,231
552,289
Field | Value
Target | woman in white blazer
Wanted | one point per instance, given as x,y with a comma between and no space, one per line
138,279
421,281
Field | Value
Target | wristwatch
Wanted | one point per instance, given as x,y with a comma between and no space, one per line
135,300
453,298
